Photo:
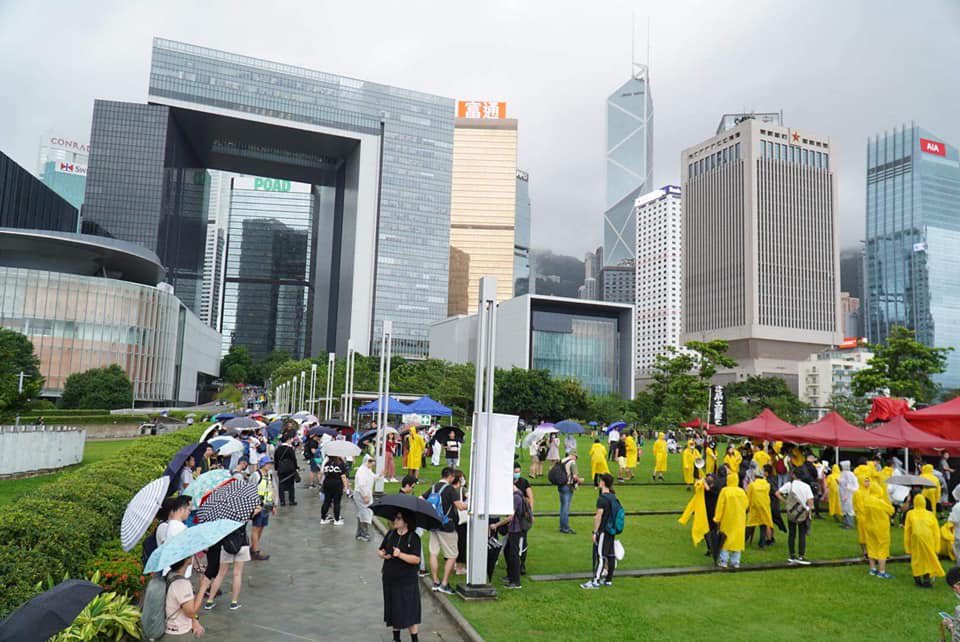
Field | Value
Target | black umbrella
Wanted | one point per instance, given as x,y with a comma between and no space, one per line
176,464
317,430
443,433
48,613
334,423
235,501
388,506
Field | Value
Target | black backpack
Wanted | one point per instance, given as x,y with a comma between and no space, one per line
525,516
558,474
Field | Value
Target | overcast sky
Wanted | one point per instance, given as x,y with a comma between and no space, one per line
842,69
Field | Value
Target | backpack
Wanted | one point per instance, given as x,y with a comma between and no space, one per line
435,500
617,517
149,546
558,474
525,516
796,509
153,611
780,465
236,540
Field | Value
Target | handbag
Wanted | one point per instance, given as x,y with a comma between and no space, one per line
236,540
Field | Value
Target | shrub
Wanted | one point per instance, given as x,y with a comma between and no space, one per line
20,572
108,388
120,571
109,616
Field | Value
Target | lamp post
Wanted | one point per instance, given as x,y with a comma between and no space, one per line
303,387
348,384
313,388
383,393
331,370
477,585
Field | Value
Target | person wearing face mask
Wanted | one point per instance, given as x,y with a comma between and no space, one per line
401,552
182,606
527,491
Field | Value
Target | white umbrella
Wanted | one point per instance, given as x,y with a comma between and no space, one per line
206,433
141,510
227,445
340,448
537,434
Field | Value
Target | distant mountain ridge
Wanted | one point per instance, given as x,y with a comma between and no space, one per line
556,274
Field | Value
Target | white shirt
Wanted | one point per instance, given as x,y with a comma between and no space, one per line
799,488
613,435
169,529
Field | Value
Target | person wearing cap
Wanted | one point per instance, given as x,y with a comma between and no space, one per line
239,472
565,490
363,497
266,483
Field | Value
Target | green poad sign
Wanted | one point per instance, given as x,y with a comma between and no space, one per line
271,185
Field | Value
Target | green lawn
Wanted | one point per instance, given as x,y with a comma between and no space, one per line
93,451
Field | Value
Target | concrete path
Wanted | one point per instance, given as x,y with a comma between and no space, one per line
319,584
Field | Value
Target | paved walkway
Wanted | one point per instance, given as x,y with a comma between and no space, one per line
319,584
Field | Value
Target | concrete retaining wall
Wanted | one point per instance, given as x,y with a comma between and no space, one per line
25,449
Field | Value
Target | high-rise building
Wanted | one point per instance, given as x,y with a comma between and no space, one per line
830,373
63,167
217,207
386,154
26,203
629,167
760,247
483,203
913,231
659,275
522,282
618,283
849,315
592,265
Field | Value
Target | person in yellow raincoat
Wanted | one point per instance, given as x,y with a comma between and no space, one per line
758,508
946,540
876,513
696,508
732,459
858,511
598,461
932,494
630,447
689,457
761,456
659,457
796,457
710,460
921,534
414,458
731,516
863,470
834,506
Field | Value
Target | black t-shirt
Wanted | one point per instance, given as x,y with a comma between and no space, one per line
447,496
451,449
332,476
285,459
397,571
522,485
605,503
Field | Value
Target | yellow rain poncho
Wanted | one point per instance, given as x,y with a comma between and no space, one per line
598,460
833,492
415,446
732,459
762,457
858,510
863,471
710,461
796,457
660,454
946,540
690,455
932,494
758,503
731,514
876,515
921,535
630,445
697,508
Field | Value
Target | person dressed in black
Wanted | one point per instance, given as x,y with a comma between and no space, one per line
711,492
603,538
310,448
400,552
774,504
524,486
335,482
285,462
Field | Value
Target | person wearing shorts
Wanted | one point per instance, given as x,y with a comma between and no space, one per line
444,539
237,561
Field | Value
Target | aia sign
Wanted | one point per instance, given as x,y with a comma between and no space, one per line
933,147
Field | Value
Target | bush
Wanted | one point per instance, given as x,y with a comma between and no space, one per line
120,571
108,388
60,527
84,420
109,616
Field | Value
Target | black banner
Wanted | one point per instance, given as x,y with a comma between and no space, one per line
718,406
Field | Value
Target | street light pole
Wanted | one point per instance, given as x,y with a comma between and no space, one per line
303,387
348,384
331,371
313,388
383,393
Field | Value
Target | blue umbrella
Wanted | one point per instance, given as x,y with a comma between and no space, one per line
568,426
204,484
223,416
320,430
274,429
593,423
189,542
176,464
617,424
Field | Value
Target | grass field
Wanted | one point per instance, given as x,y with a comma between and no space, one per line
93,451
841,603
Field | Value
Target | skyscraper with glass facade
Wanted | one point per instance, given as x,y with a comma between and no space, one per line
521,237
63,167
913,230
629,163
385,152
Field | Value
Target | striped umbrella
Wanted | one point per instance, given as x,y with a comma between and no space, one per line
232,501
204,484
189,542
141,510
226,445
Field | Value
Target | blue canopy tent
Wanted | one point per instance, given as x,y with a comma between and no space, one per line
427,406
394,407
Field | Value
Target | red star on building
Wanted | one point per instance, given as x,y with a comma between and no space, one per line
796,137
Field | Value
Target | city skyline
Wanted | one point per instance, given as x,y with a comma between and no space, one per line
737,61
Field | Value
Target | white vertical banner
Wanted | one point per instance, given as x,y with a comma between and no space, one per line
494,496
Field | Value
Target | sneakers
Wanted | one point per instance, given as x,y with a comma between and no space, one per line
511,585
338,522
735,566
234,606
435,587
326,520
801,561
568,531
606,583
873,571
590,585
887,576
722,564
423,572
791,560
259,556
208,605
445,588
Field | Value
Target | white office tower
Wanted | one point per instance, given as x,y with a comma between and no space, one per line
760,246
659,276
217,206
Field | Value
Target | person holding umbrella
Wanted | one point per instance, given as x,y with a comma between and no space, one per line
400,551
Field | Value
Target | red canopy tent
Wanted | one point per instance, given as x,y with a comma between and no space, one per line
886,408
834,430
942,420
766,425
908,436
696,423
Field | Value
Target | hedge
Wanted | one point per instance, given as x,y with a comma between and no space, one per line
81,420
54,412
60,527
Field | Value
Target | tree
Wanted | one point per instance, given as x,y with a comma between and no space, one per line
98,388
573,399
530,394
745,400
16,356
902,365
606,408
260,372
851,407
681,379
237,365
